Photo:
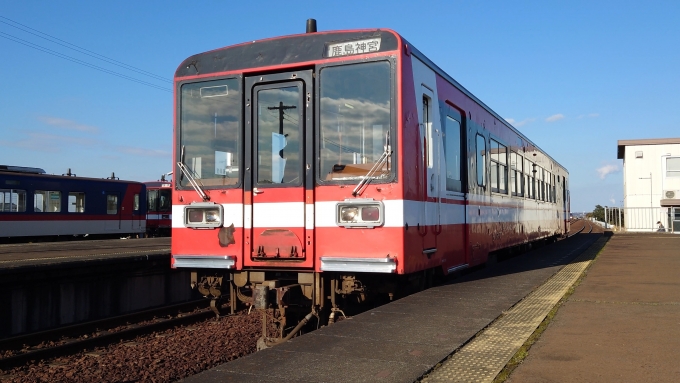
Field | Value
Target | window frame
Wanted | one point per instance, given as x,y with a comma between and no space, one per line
394,139
241,139
480,156
19,193
500,159
449,113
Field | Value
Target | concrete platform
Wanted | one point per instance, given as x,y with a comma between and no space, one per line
16,256
403,340
622,324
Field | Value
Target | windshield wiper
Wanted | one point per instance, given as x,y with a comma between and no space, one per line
381,161
192,181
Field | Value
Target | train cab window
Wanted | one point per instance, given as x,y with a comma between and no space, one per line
355,121
481,160
164,200
279,135
210,132
499,167
76,202
12,200
46,201
452,150
135,203
111,204
152,200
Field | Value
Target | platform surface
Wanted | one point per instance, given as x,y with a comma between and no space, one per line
17,255
401,341
622,324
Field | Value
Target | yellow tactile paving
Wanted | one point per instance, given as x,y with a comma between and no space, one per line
486,355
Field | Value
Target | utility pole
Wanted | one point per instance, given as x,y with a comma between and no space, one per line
281,109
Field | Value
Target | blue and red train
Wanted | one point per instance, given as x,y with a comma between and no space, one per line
34,204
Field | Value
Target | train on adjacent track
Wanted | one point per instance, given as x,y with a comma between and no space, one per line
39,206
158,207
342,163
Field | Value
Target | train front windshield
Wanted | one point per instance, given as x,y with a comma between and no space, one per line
355,106
355,121
210,132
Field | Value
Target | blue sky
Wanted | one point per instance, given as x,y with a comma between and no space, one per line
574,76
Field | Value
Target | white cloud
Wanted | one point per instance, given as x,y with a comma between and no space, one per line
68,124
555,117
517,124
589,115
606,170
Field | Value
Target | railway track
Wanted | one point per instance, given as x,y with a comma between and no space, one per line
48,344
167,350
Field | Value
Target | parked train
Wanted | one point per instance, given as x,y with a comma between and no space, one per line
341,163
158,207
35,204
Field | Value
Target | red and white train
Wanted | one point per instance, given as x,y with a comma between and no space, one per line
345,162
158,207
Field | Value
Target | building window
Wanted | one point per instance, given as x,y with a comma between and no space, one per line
45,201
76,202
673,167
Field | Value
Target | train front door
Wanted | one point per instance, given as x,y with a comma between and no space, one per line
279,176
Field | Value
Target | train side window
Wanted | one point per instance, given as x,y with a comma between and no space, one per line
12,200
481,160
135,203
111,204
452,140
530,171
499,167
47,201
76,202
516,174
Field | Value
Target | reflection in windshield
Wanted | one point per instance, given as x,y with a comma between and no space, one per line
210,131
278,136
355,119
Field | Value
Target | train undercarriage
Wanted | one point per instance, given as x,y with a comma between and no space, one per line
293,300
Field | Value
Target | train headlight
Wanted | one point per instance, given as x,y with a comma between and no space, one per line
349,214
365,213
203,215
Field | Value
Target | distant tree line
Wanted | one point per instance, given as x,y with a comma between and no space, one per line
612,215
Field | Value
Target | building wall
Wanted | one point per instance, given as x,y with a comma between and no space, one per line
645,182
637,186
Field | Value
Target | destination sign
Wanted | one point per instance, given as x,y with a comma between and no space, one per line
357,47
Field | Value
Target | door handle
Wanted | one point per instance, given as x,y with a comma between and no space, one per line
257,191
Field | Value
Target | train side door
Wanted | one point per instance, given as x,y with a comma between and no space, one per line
279,178
113,211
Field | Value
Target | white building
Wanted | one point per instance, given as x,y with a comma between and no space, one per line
651,183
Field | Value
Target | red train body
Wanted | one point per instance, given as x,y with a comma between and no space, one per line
344,160
159,207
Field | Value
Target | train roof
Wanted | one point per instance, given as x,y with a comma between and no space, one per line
21,169
310,47
62,177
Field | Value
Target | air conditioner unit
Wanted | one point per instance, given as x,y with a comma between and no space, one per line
671,194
